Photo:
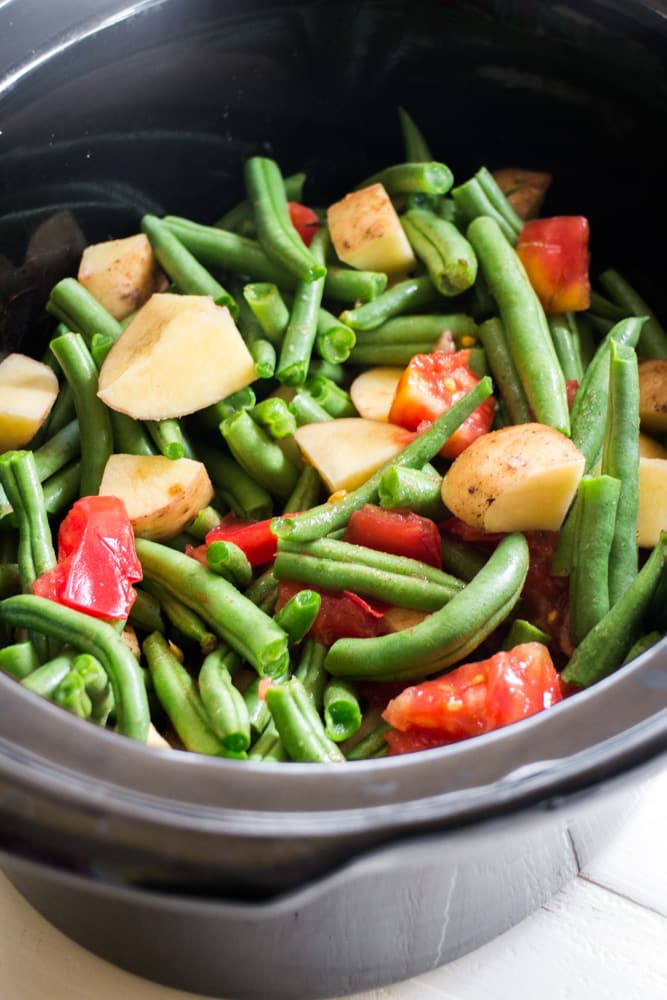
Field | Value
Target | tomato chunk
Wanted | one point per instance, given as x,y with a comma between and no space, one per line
475,698
429,386
254,537
305,221
400,532
97,560
341,615
555,255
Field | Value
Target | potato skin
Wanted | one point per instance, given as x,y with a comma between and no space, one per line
506,467
653,395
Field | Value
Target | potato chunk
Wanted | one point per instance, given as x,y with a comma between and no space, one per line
346,452
367,233
161,495
179,354
373,392
652,515
121,274
28,390
518,478
524,189
653,395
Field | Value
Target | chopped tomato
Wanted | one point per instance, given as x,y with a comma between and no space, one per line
254,537
412,742
97,560
429,386
397,531
571,385
341,615
555,255
305,221
476,697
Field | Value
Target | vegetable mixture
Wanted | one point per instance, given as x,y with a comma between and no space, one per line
318,484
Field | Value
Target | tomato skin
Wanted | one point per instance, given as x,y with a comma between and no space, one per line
97,560
429,386
305,221
477,697
400,532
341,616
555,255
254,537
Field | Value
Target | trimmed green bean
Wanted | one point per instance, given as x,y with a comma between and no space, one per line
170,438
239,490
342,712
211,417
331,397
373,745
10,579
476,198
345,284
206,520
299,726
310,671
89,635
462,560
307,491
644,643
597,503
448,635
305,410
328,517
268,308
403,297
412,489
45,679
71,695
521,631
416,147
182,617
653,338
223,702
444,251
81,311
565,337
20,659
335,339
62,488
228,560
492,335
407,178
298,614
96,685
261,458
240,216
145,612
275,417
301,331
269,747
233,617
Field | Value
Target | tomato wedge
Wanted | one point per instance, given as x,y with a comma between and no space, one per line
341,616
429,386
97,560
400,532
555,255
305,221
475,698
254,537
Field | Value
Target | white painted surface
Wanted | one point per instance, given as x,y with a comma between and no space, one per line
603,937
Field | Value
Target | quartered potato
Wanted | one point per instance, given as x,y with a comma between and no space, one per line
652,515
28,390
367,233
372,392
653,395
161,495
519,478
348,451
179,354
524,189
121,274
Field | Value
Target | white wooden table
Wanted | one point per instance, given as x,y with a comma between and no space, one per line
603,937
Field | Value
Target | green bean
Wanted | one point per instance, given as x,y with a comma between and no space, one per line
416,147
344,284
565,339
411,489
415,331
240,216
58,451
301,330
597,503
20,659
188,275
228,560
261,458
71,695
184,619
211,417
262,350
653,338
590,404
145,612
334,372
45,679
275,417
262,588
277,235
492,335
81,311
269,746
446,636
89,635
62,412
373,745
403,297
445,252
92,414
36,555
331,397
642,644
268,307
307,491
521,631
223,702
605,646
405,178
62,488
342,712
169,438
246,497
178,696
299,726
586,339
498,199
475,199
328,517
620,459
462,560
602,307
206,520
10,579
525,324
305,410
96,685
233,617
298,614
310,671
335,339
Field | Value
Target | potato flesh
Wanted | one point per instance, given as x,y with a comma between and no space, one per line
121,274
650,448
373,392
652,515
518,478
366,232
524,189
28,390
161,496
346,452
653,395
179,354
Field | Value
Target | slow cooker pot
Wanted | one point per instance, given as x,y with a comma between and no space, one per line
186,869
